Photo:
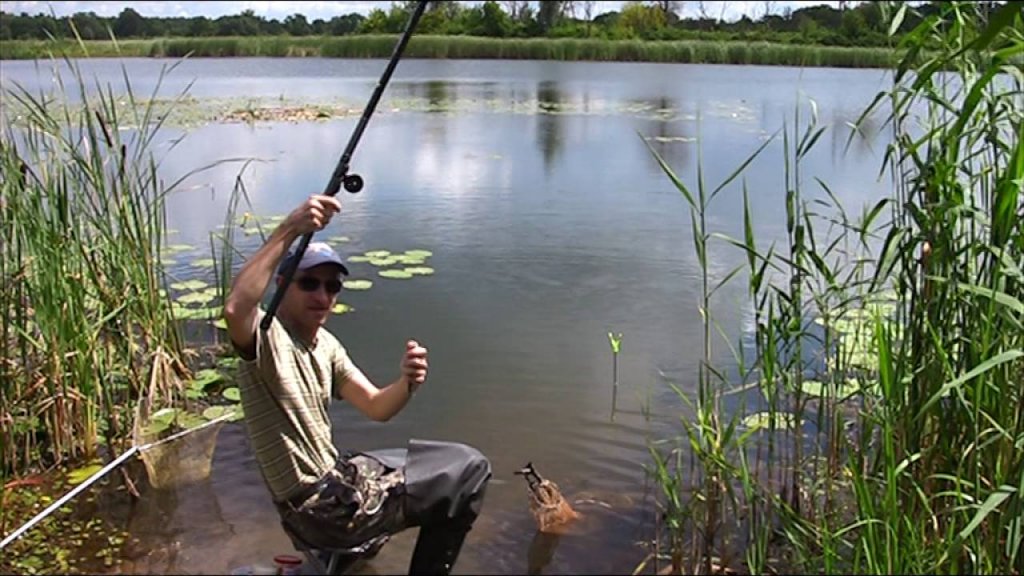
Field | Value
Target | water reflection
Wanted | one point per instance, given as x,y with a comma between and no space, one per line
550,128
542,550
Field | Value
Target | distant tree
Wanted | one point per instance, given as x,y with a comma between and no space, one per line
201,26
347,24
495,22
641,20
669,8
516,8
129,24
297,25
89,26
548,14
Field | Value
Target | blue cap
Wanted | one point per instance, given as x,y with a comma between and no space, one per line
316,253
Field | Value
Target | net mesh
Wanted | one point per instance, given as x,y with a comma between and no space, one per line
178,454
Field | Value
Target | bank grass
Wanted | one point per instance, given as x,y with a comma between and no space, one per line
87,326
466,47
880,422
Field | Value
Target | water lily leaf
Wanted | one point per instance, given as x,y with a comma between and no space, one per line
359,258
420,270
205,377
409,260
232,394
388,261
339,239
197,298
220,323
214,412
396,274
189,420
765,420
176,248
228,362
821,389
341,308
419,253
203,263
378,253
193,394
82,474
250,231
357,284
193,284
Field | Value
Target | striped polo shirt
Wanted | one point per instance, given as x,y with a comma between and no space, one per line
285,392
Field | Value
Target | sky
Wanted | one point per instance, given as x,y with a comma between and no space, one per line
278,10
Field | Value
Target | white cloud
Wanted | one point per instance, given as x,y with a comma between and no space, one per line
326,10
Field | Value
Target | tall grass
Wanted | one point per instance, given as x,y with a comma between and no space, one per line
85,323
888,377
470,47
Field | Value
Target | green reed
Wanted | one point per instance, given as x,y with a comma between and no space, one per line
469,47
890,343
86,324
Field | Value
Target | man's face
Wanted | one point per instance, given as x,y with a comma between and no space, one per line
311,295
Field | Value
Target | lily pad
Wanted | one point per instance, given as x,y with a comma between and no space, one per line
188,420
419,253
220,323
382,262
232,394
766,419
228,362
358,258
821,389
197,298
339,239
203,263
177,248
189,285
409,260
82,474
396,274
420,270
205,377
378,253
357,284
341,308
214,412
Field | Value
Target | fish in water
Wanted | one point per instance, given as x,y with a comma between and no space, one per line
551,511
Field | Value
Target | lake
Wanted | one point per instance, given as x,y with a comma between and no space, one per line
550,224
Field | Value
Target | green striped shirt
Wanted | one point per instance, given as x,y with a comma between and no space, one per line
286,391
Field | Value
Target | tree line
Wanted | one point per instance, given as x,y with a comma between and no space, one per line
848,24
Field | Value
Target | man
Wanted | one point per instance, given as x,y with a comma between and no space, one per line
288,374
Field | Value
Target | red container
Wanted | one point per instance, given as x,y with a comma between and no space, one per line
288,565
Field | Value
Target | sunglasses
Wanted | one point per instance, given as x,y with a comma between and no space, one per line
310,284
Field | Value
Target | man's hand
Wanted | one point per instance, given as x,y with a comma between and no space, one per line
414,365
313,215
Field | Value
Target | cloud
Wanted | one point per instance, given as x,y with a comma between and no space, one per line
274,9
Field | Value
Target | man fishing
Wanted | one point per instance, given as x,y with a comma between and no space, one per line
288,374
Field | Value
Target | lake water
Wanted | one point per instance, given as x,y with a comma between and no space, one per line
550,225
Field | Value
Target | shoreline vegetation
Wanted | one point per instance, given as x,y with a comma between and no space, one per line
465,47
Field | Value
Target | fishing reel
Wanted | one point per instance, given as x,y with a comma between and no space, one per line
353,183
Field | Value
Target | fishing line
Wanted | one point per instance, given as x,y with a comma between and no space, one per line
353,182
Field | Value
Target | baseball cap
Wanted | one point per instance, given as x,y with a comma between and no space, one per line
316,253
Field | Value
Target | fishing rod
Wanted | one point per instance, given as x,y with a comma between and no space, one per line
353,183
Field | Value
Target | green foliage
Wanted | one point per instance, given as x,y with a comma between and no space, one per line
858,25
883,434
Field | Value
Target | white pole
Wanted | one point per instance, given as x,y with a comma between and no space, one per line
49,510
113,464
